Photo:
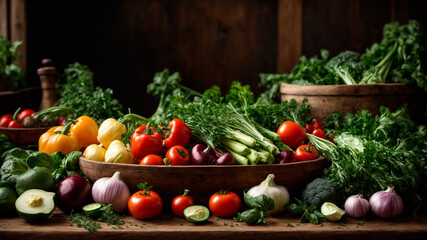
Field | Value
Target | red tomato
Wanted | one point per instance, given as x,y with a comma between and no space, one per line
145,142
15,124
292,134
152,159
317,124
179,134
225,204
5,120
305,153
145,204
181,202
24,114
178,155
319,132
308,128
61,120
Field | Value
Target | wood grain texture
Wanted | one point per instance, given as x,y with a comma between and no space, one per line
126,42
289,44
167,226
342,25
18,29
4,18
351,98
205,180
24,136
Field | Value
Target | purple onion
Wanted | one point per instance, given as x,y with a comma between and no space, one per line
111,190
201,155
356,206
223,158
386,204
285,156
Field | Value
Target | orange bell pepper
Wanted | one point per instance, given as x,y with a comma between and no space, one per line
58,141
86,130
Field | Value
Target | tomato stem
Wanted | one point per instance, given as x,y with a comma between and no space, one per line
144,187
224,191
186,192
308,149
15,115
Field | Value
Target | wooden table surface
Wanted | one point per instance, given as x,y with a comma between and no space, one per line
168,226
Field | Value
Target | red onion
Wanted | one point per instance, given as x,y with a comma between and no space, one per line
356,206
73,192
111,190
386,204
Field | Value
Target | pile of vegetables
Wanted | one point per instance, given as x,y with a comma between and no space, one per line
374,152
398,58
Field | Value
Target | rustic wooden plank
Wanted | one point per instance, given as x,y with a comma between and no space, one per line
126,42
168,226
4,18
342,25
18,29
289,34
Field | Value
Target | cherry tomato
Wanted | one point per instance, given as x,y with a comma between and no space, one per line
145,141
225,203
305,153
5,120
178,155
308,128
24,114
319,132
179,134
61,120
316,124
292,134
145,204
152,159
15,124
181,202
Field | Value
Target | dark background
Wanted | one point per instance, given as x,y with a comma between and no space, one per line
125,42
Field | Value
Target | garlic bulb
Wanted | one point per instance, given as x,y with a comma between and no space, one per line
278,193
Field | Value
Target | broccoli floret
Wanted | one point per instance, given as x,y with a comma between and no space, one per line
319,191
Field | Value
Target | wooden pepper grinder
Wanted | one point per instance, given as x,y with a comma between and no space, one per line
47,74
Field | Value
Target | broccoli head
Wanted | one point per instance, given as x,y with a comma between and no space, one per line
319,191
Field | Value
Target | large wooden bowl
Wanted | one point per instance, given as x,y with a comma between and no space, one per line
205,180
324,99
23,137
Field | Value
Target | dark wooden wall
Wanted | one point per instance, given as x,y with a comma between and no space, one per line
209,42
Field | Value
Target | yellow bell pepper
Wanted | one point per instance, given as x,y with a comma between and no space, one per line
58,139
118,153
86,130
95,152
109,131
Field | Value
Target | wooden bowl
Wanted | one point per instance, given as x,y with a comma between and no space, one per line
324,99
205,180
23,137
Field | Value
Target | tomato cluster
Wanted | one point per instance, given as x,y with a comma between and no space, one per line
295,136
316,128
147,204
149,142
15,120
